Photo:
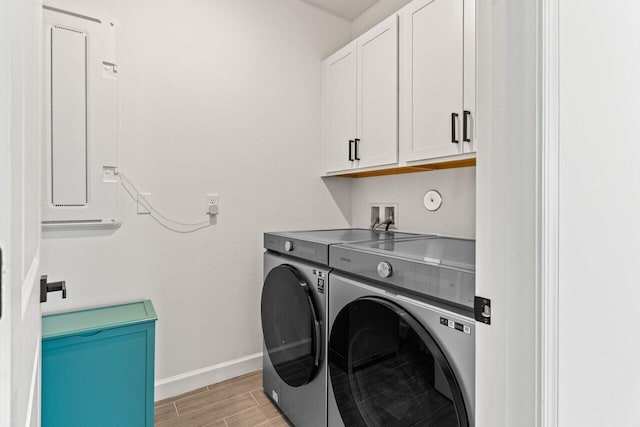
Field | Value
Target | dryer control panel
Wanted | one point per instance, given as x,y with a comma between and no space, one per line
321,277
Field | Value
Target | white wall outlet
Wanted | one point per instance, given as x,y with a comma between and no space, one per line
212,204
144,203
109,174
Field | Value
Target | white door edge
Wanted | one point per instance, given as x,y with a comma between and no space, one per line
5,185
21,118
548,245
33,389
28,285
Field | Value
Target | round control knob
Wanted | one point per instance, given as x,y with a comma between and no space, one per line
384,269
288,246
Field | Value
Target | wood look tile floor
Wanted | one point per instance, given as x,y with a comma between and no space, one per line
238,402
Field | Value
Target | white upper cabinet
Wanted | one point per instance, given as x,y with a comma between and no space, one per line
377,135
437,83
339,109
403,93
360,96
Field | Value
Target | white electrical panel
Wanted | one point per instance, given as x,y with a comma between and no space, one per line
81,136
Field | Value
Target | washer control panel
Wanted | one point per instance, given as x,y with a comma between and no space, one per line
455,325
384,269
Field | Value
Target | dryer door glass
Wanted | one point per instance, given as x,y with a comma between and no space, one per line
387,370
290,326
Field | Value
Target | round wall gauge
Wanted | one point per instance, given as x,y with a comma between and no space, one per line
432,200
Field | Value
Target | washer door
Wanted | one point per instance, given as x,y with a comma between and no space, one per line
290,326
387,370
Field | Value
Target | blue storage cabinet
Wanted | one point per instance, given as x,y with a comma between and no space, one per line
98,367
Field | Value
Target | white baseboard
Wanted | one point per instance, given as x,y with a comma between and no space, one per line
182,383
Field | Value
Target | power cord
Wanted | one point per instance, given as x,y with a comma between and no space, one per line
136,196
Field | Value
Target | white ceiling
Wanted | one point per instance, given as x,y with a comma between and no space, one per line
349,9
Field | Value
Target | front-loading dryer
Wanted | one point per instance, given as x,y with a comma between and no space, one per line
293,318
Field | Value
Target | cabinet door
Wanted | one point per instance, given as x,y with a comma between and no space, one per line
432,80
378,95
101,378
339,90
470,74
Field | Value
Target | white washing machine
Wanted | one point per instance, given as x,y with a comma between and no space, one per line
401,344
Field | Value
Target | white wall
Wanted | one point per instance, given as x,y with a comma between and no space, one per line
456,216
217,96
599,207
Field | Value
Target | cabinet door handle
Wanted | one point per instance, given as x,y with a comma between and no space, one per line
454,116
357,145
350,150
88,334
465,126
